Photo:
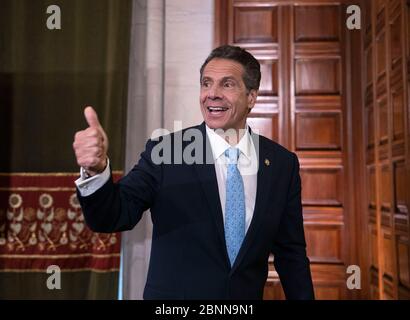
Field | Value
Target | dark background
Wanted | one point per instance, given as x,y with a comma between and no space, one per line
47,77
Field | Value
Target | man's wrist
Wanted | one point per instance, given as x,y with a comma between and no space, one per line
87,186
88,173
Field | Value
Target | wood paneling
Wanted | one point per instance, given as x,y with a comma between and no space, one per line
325,243
398,114
388,261
329,291
369,127
266,126
396,39
387,83
339,99
317,23
318,131
381,54
374,253
371,195
254,24
302,105
317,76
401,205
403,259
269,80
385,187
369,65
321,186
383,121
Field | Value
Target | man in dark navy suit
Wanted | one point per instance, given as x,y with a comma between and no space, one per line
222,198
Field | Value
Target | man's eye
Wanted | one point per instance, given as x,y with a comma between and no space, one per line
205,84
229,84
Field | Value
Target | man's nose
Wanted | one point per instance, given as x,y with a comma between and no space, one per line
214,92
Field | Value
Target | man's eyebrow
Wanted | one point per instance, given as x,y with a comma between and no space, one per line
229,78
223,79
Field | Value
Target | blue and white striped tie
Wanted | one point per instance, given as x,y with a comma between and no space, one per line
234,206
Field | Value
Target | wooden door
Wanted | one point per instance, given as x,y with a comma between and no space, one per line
387,144
303,105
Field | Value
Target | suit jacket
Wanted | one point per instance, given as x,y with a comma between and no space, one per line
188,255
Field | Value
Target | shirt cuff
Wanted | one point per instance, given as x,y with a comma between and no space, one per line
89,185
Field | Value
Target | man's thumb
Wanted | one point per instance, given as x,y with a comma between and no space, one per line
91,117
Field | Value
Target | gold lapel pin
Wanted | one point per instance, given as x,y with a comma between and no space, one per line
267,162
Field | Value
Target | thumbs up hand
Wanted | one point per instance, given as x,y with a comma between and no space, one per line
91,145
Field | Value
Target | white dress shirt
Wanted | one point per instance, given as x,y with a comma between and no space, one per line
247,166
88,185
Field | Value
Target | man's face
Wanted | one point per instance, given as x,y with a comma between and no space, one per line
225,101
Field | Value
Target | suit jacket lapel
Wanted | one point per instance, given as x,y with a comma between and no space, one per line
207,178
264,185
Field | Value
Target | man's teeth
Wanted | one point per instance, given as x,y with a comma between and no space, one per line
217,109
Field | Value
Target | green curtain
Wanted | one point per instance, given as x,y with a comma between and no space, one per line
47,77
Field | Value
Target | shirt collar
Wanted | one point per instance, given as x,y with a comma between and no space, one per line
219,145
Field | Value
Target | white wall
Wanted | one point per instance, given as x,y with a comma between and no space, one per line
170,41
188,41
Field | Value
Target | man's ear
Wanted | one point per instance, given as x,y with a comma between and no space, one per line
252,96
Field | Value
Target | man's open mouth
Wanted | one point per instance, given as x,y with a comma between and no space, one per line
217,110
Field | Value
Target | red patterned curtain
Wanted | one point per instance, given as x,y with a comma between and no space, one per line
44,225
46,79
